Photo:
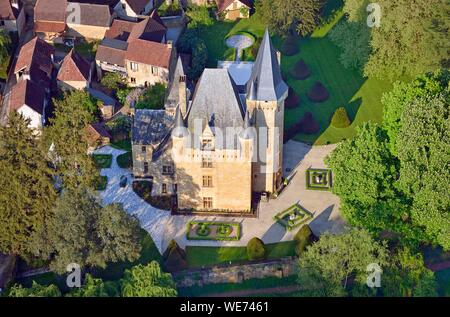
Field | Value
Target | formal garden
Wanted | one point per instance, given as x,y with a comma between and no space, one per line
217,231
319,179
293,217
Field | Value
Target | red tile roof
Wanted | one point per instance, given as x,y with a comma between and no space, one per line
7,11
223,4
150,29
74,68
37,53
111,55
25,92
150,53
50,27
120,30
50,10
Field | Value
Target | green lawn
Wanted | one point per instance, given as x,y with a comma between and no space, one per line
122,145
102,160
207,256
252,285
443,279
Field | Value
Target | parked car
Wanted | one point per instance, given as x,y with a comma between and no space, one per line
123,181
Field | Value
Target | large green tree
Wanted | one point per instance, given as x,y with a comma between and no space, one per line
326,267
423,145
36,290
27,191
67,139
5,43
148,281
95,287
84,232
301,16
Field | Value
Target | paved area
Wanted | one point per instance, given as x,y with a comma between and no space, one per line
163,227
239,42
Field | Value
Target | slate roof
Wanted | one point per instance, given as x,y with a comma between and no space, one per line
29,93
74,68
266,82
216,102
150,53
150,29
151,127
173,97
7,11
223,4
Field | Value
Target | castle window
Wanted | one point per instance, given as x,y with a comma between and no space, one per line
207,145
207,162
145,167
134,66
144,149
167,170
207,181
207,203
154,70
133,80
164,189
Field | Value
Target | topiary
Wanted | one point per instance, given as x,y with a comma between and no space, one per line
256,250
303,238
318,93
290,46
293,100
308,124
340,118
174,258
300,70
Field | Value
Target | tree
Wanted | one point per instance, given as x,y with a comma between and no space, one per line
84,232
67,134
199,16
256,250
404,93
147,281
36,290
95,287
152,98
301,16
407,276
327,266
113,81
27,193
5,42
423,145
174,257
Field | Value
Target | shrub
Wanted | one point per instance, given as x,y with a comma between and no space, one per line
308,124
191,43
292,100
300,70
290,46
303,238
152,98
174,258
113,80
340,118
256,250
318,93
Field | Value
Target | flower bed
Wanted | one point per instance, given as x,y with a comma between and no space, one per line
219,231
293,217
318,179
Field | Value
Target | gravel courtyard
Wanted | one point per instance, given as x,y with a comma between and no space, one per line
163,227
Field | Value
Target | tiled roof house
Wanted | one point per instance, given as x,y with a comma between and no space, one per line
234,9
75,72
12,16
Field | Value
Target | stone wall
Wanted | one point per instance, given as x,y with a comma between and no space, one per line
237,273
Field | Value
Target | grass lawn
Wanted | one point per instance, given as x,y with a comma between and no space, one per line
207,256
122,145
114,271
102,160
252,285
443,279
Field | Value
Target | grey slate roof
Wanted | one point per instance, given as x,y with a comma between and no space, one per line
151,127
173,96
268,85
216,102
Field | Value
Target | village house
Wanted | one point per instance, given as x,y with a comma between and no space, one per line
75,72
206,158
12,16
94,20
33,75
50,20
138,51
234,9
97,135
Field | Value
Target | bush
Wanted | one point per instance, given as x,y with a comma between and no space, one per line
300,70
174,258
308,124
292,100
152,98
125,160
290,46
340,118
303,238
191,43
112,80
318,93
256,250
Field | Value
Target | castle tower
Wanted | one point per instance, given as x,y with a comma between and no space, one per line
179,134
178,93
266,93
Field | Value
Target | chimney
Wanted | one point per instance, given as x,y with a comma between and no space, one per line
182,93
170,44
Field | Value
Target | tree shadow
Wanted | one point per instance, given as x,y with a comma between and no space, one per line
324,223
276,232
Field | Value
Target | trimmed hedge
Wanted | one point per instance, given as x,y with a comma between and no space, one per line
125,160
174,258
220,236
308,124
303,238
102,160
300,70
256,250
293,100
340,118
318,93
101,182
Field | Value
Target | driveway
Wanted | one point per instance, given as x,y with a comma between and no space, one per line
163,227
